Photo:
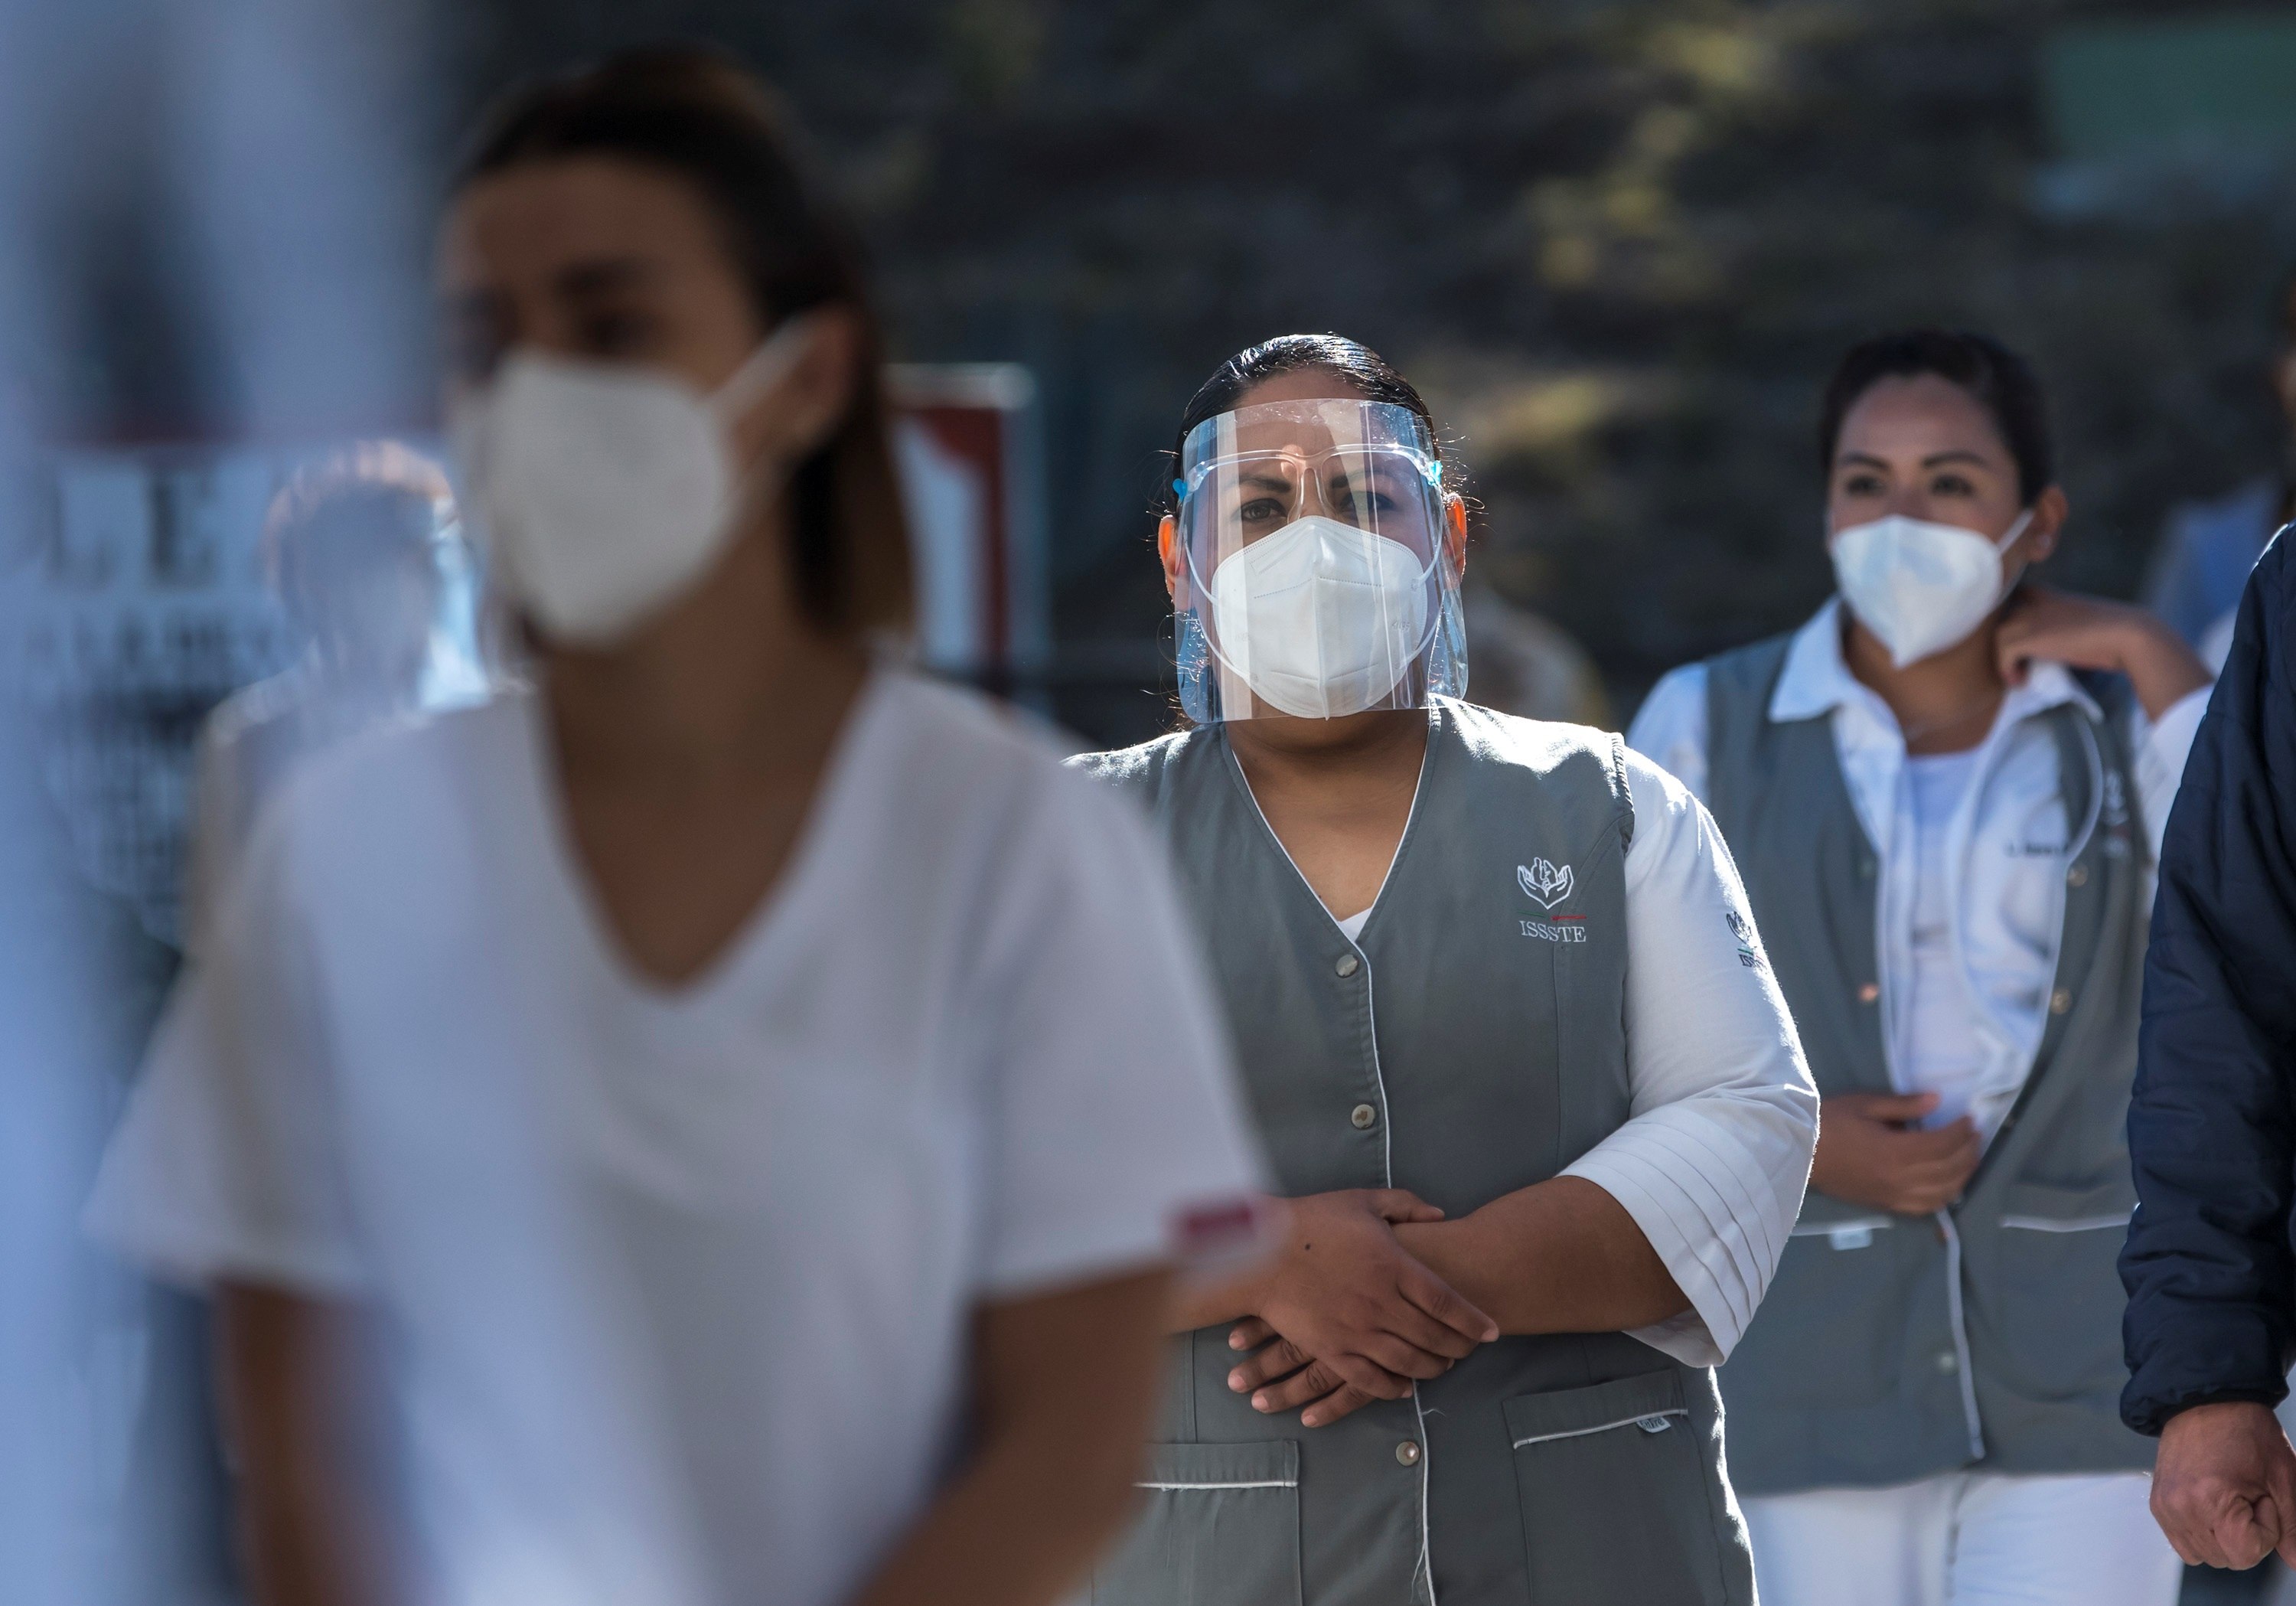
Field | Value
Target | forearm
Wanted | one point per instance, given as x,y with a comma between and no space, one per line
1239,1289
315,1527
1212,1301
1559,1257
1066,1387
2162,669
1020,1525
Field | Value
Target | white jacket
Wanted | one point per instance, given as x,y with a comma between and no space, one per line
2010,843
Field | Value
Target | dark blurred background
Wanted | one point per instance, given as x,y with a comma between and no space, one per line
1619,245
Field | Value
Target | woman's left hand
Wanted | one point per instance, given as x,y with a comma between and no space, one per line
2088,632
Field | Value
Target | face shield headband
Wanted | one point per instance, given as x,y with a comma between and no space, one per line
1317,576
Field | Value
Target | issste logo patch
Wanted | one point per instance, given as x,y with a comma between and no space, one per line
1544,883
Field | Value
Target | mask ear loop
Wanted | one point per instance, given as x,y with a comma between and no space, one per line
764,369
2001,557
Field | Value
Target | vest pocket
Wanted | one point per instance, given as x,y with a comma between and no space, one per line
1832,1329
2058,1292
1613,1485
1220,1526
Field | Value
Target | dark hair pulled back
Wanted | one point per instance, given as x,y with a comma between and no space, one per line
1357,365
1996,378
700,117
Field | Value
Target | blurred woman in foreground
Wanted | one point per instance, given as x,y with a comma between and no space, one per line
1946,793
743,1091
1541,1129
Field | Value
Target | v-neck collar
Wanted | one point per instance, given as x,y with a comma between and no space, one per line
812,852
1419,790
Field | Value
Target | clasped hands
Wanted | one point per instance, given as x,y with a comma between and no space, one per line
1344,1314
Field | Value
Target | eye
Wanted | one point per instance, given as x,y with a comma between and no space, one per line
1262,510
1863,482
1358,502
616,332
1952,485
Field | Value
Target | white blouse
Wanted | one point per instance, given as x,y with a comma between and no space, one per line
1713,1161
2005,849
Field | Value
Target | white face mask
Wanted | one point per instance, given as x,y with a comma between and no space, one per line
1321,619
604,492
1920,587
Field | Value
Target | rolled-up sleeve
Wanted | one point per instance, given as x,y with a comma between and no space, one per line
1714,1159
2211,1312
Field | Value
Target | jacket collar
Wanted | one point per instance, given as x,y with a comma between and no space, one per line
1815,680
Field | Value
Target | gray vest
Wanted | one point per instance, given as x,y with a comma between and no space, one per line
1891,1347
1471,1045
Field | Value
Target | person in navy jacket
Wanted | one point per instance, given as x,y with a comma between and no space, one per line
2210,1328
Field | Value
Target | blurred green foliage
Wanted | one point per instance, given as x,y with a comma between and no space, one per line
1619,244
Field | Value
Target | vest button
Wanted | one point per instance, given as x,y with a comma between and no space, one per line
1349,965
1947,1362
1363,1116
1867,993
2077,876
2060,1001
1407,1453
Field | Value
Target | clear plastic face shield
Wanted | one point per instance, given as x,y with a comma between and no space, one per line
1318,562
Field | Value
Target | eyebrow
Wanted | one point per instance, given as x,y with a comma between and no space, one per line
1958,454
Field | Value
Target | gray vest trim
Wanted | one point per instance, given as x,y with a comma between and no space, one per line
1892,1347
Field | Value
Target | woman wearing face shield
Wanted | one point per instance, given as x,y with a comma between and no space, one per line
1946,793
747,1092
1541,1124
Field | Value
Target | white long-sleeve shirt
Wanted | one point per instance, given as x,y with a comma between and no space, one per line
1713,1159
1997,871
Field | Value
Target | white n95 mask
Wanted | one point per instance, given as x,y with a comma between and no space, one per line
606,492
1920,587
1321,619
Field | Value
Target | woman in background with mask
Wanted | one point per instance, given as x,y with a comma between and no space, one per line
350,549
746,1091
1541,1124
1946,793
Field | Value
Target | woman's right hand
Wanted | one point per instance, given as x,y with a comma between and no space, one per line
1869,1152
1344,1294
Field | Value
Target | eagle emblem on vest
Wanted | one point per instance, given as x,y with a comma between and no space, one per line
1544,883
